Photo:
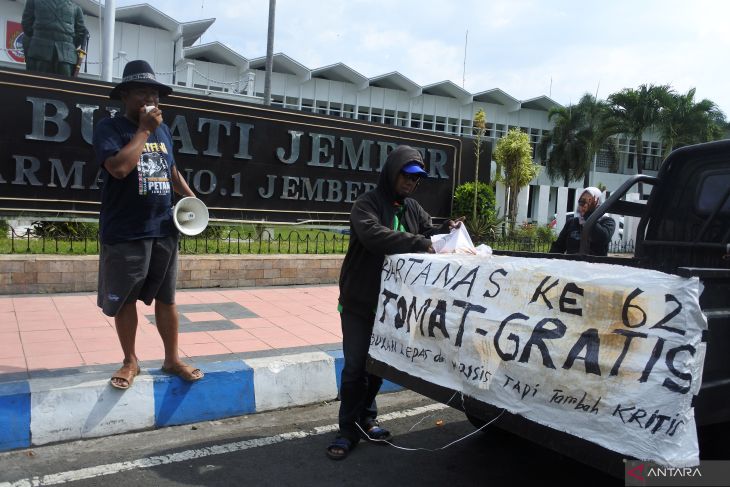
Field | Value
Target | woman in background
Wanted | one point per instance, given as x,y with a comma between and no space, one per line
569,239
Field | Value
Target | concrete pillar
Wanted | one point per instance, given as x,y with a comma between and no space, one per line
631,223
189,74
523,198
499,199
543,203
562,207
251,83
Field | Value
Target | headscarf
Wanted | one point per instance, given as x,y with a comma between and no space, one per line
594,192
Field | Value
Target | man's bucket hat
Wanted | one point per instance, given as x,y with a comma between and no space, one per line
138,73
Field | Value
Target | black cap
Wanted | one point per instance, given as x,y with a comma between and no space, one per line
138,73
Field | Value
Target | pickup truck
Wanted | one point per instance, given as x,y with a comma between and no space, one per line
684,230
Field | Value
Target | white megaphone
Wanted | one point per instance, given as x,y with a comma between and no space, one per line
190,215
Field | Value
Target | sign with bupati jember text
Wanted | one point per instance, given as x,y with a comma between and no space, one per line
608,353
245,161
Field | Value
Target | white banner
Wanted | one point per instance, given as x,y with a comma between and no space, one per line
608,353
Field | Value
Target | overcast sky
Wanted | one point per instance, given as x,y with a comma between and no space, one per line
558,48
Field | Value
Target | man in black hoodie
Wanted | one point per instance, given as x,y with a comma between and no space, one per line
383,221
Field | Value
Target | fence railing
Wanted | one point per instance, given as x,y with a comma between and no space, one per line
533,245
235,242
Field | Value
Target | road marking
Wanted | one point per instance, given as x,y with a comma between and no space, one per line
184,456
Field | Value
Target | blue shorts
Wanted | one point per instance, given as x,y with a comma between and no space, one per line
143,269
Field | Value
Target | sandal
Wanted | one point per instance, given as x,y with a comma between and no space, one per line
339,448
186,372
125,376
371,431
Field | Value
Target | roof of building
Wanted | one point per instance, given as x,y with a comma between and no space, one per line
497,96
216,52
448,89
396,81
283,64
341,72
540,103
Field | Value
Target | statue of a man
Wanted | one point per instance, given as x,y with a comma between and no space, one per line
53,30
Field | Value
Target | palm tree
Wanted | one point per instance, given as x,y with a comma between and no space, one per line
683,122
599,126
635,111
580,132
568,147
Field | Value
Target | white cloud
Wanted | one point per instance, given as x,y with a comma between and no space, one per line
516,45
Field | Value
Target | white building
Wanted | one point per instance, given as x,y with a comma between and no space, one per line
143,32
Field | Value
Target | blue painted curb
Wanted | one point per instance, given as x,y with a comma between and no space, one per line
14,415
226,390
339,357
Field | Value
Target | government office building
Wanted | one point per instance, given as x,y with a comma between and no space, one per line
181,60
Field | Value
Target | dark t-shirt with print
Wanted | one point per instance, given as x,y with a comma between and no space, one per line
140,205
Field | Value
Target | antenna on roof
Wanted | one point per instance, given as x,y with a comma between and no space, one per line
202,3
463,75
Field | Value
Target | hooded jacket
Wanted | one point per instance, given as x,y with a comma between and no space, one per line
372,236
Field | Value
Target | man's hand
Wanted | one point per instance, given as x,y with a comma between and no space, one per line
150,120
456,223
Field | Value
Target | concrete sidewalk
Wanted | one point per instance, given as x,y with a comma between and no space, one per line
260,348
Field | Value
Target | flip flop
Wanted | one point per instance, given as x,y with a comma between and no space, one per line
372,432
126,373
339,448
185,372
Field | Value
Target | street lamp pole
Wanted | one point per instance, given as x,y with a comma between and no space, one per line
269,53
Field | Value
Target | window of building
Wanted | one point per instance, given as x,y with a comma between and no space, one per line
500,130
335,109
363,113
571,199
427,122
376,115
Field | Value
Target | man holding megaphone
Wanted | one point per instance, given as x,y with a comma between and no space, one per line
138,255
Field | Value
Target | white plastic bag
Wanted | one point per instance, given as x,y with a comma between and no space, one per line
457,241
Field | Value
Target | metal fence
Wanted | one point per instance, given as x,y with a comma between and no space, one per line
232,242
533,245
235,242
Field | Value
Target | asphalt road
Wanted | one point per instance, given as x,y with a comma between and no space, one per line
287,447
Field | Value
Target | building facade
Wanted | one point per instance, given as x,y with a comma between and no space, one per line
179,59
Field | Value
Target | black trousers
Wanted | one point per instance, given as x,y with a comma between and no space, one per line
358,388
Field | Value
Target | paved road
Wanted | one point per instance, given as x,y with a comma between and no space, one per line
287,447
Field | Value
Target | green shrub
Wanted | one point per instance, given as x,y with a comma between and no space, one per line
484,229
525,231
545,234
215,232
529,231
4,228
65,230
464,200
